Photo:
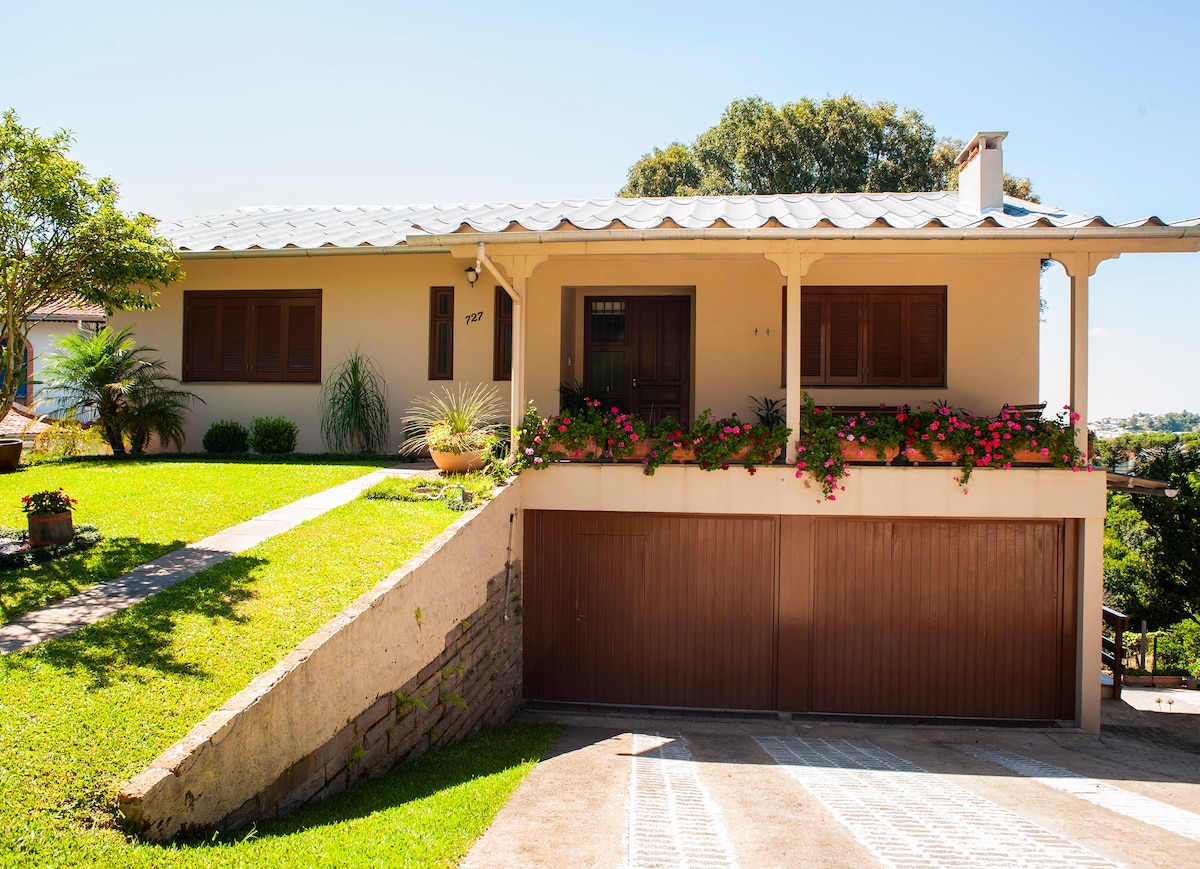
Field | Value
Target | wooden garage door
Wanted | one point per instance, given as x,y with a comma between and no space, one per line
930,618
647,609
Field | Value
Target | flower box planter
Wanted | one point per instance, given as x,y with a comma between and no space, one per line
868,453
51,529
587,452
458,463
10,454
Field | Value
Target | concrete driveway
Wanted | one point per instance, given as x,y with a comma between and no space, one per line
681,792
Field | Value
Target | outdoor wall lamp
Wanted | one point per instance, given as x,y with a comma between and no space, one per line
472,274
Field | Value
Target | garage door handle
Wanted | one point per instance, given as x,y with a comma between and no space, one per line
581,615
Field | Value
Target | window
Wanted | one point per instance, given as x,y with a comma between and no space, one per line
252,335
502,342
441,333
24,387
873,336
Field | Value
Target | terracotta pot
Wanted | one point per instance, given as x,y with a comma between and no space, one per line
458,463
941,454
642,450
589,452
1032,457
853,451
10,454
47,530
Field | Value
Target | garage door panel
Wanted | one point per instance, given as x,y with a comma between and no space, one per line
938,618
669,610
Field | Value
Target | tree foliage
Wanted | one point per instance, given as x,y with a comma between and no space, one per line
835,145
62,239
103,374
1152,546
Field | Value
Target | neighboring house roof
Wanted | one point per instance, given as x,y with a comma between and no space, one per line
269,228
17,422
69,311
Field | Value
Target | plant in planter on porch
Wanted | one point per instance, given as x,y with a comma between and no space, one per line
457,427
719,442
827,440
49,515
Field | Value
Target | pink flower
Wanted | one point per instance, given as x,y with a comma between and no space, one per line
800,465
529,451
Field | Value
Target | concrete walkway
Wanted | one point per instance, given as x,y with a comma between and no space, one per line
106,598
628,793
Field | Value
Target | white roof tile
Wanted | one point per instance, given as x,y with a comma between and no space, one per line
309,227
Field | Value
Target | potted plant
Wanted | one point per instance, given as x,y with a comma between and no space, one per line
456,426
10,454
49,515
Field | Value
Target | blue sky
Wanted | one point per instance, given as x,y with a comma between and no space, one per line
197,108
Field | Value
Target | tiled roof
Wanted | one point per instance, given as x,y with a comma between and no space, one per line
310,227
70,310
17,422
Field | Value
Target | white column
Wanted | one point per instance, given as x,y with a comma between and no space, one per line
519,323
1089,606
1079,350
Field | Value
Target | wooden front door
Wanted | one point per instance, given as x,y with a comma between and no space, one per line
637,354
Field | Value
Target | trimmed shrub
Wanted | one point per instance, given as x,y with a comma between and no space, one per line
226,436
273,434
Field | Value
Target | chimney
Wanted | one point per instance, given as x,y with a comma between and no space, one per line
981,173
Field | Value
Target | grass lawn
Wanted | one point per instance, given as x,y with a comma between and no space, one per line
146,508
81,715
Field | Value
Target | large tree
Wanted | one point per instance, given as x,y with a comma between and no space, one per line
62,239
1152,546
835,145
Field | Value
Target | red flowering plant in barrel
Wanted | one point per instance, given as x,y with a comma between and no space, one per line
50,502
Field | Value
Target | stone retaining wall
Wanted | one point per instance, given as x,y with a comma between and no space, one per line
429,656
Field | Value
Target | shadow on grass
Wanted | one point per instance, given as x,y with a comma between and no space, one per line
491,752
27,588
143,636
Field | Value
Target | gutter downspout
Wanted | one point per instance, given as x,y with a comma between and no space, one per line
517,394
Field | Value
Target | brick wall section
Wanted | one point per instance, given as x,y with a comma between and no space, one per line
480,666
290,736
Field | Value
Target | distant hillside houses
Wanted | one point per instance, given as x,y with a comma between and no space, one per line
1178,422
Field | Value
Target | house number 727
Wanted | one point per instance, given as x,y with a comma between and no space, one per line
474,318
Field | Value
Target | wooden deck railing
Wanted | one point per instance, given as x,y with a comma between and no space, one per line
1112,650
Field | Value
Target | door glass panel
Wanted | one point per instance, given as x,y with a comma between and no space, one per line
606,371
607,322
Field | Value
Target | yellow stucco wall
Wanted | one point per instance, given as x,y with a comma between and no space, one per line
380,304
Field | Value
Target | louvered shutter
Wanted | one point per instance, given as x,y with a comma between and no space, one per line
844,337
302,333
235,327
926,332
268,339
812,339
885,340
201,339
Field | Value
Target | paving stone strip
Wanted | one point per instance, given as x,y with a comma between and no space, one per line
106,598
1131,805
673,823
909,817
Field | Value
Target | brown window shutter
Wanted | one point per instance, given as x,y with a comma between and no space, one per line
303,359
885,340
845,337
201,344
252,335
812,340
268,339
235,325
926,331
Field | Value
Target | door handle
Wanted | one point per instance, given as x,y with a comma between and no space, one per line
635,383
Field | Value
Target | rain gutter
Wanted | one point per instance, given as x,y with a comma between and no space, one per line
1168,233
312,251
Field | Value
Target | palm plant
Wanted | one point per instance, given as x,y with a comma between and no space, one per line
454,421
105,375
354,412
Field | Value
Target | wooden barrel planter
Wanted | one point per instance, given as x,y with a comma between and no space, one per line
48,530
10,454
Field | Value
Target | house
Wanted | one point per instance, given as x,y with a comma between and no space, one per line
47,325
904,597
